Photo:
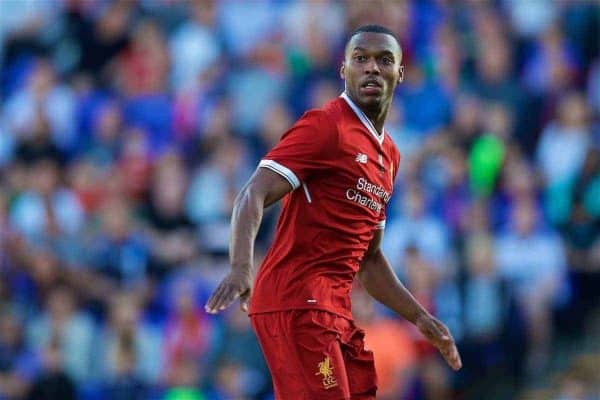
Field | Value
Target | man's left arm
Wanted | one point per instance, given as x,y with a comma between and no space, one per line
380,281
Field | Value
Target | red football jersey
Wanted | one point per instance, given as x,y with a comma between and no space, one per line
343,172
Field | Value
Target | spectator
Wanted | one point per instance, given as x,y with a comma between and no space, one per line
104,39
18,366
466,120
117,250
213,190
485,307
530,18
551,67
533,262
189,333
53,382
494,81
134,164
72,330
142,67
426,105
419,228
43,94
240,357
230,382
170,229
38,145
593,87
564,142
46,210
105,142
125,321
125,384
422,280
194,47
456,197
488,152
185,382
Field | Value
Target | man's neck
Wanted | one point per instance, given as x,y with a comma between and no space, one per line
377,117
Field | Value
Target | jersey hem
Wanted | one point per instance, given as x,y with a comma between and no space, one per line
347,315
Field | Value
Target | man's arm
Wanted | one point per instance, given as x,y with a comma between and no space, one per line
264,188
380,281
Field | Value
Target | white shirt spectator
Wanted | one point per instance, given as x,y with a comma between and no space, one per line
193,49
532,264
246,23
58,106
531,17
300,17
561,152
28,214
426,233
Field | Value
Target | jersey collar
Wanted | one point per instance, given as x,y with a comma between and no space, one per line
364,119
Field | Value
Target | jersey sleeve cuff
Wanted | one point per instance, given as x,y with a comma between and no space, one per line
380,225
284,171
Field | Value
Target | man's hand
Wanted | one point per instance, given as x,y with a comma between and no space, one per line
438,334
234,285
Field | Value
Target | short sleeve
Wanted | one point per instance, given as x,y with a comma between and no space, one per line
307,148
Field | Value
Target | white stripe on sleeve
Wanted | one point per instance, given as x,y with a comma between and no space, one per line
287,173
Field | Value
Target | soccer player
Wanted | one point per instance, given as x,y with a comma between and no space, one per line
335,171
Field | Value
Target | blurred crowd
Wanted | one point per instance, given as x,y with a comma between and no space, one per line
127,128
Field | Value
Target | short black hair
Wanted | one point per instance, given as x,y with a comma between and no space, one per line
375,29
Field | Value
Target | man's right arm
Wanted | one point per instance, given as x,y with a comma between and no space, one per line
263,189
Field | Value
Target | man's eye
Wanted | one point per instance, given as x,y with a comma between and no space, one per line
360,58
388,61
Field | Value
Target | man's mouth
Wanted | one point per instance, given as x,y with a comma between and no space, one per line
372,83
371,87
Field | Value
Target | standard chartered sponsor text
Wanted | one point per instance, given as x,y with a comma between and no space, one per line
359,195
366,186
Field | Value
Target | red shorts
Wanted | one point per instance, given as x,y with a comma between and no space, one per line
315,355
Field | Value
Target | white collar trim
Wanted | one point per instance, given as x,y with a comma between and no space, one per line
364,119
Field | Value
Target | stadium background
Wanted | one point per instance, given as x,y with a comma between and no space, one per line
127,127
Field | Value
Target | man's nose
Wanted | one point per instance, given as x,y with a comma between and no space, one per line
371,66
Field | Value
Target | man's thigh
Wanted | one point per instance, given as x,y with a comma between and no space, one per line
304,354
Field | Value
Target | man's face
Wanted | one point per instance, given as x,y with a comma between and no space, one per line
372,69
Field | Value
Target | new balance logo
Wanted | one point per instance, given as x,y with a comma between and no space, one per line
361,158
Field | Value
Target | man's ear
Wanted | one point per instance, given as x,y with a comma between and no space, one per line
342,70
401,74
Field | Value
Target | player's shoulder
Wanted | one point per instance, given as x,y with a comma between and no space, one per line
331,111
335,108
